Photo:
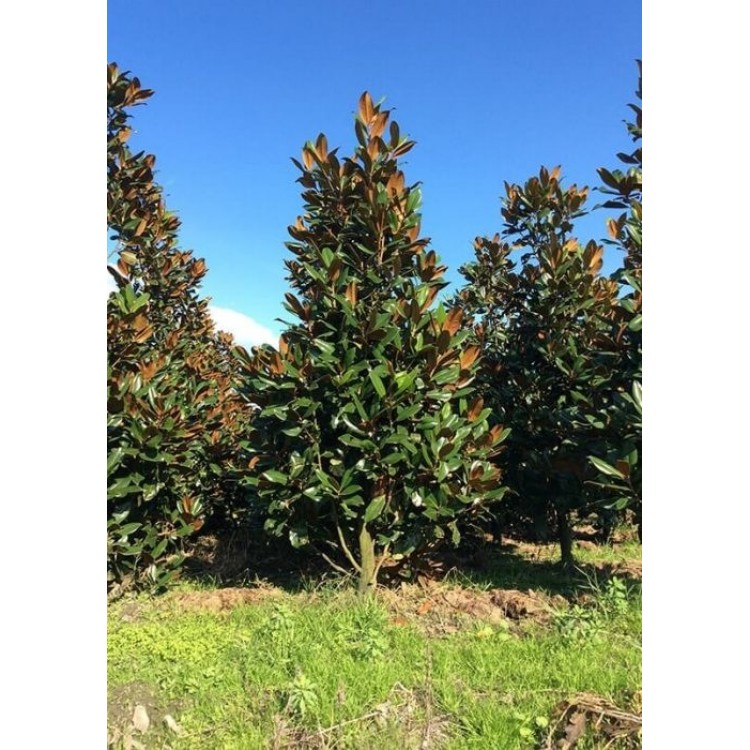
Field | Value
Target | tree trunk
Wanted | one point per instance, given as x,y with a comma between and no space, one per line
541,527
368,574
565,536
639,522
607,522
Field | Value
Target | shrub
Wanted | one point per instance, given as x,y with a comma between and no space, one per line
174,421
542,313
371,444
620,463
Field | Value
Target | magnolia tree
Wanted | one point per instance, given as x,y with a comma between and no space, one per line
620,464
371,445
174,421
541,310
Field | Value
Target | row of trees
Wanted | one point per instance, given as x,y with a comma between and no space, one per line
385,421
176,425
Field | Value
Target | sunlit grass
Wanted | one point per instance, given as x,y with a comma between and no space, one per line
328,669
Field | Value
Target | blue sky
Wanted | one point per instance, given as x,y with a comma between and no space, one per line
489,90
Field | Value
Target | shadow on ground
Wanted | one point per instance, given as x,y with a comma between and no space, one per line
241,558
521,565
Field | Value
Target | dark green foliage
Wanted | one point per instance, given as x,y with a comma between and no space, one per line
382,416
174,421
542,312
372,445
562,349
621,470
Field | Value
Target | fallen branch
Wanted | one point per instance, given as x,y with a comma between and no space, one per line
573,716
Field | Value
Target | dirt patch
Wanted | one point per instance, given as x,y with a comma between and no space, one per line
621,569
601,572
536,552
588,545
545,553
439,609
131,612
532,604
224,600
135,712
243,556
123,699
586,532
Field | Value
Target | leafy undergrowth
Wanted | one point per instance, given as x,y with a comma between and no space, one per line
456,664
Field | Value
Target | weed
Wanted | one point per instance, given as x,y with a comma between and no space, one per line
365,637
281,621
614,600
610,605
531,729
302,697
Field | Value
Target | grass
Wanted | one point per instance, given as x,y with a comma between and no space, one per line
324,669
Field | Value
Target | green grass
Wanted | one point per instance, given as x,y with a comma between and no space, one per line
276,672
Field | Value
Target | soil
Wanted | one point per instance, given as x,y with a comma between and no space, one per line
224,600
136,709
626,568
621,568
434,606
438,609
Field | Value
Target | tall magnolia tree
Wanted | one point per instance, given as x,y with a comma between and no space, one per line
541,309
620,465
174,421
371,443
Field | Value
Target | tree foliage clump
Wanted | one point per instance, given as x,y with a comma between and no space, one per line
561,347
371,445
620,464
384,422
175,423
541,310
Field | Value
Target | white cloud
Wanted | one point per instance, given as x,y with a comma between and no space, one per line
246,331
